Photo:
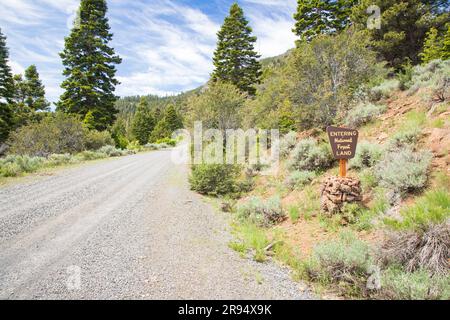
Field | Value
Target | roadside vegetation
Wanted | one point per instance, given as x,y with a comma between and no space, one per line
395,243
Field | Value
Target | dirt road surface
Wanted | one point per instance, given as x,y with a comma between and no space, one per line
126,228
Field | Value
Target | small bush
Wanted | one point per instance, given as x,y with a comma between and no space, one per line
60,159
14,165
405,138
384,90
414,250
310,156
346,260
403,171
362,114
94,140
298,179
367,155
90,155
215,179
433,75
167,141
294,213
397,284
135,146
260,212
287,143
10,169
112,151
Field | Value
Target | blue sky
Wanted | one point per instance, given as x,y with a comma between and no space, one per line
166,45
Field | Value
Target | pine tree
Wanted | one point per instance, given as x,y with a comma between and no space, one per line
446,44
35,91
404,26
167,125
143,122
6,91
433,46
315,17
235,59
90,66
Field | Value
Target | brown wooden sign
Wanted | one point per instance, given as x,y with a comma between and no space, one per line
343,142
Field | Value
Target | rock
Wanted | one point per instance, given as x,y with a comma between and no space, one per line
226,207
336,191
439,139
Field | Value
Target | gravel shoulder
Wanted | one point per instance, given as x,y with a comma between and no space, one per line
129,228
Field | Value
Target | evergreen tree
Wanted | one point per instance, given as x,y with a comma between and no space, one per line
235,59
167,125
35,91
446,44
143,122
314,17
433,46
90,66
6,91
404,26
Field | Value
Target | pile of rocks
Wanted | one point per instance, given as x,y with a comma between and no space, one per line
337,191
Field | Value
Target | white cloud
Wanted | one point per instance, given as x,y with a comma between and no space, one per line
16,67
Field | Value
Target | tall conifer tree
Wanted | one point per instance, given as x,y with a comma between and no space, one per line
35,91
235,58
6,91
90,66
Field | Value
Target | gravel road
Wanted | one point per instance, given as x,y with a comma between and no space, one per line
127,228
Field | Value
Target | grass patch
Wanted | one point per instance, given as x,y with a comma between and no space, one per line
252,238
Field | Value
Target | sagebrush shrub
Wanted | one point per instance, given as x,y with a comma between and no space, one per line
434,74
287,143
363,113
61,159
367,155
384,90
298,179
396,284
14,165
346,259
215,179
112,151
310,156
404,170
261,212
90,155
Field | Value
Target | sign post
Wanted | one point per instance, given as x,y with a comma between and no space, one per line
343,143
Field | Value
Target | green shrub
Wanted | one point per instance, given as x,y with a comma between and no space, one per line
432,75
261,213
167,141
60,159
135,146
309,155
298,179
112,151
346,260
10,169
14,165
367,155
90,155
363,113
397,284
215,179
431,208
384,90
287,143
405,138
59,133
254,238
403,170
94,139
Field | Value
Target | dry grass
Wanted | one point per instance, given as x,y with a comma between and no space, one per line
415,250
